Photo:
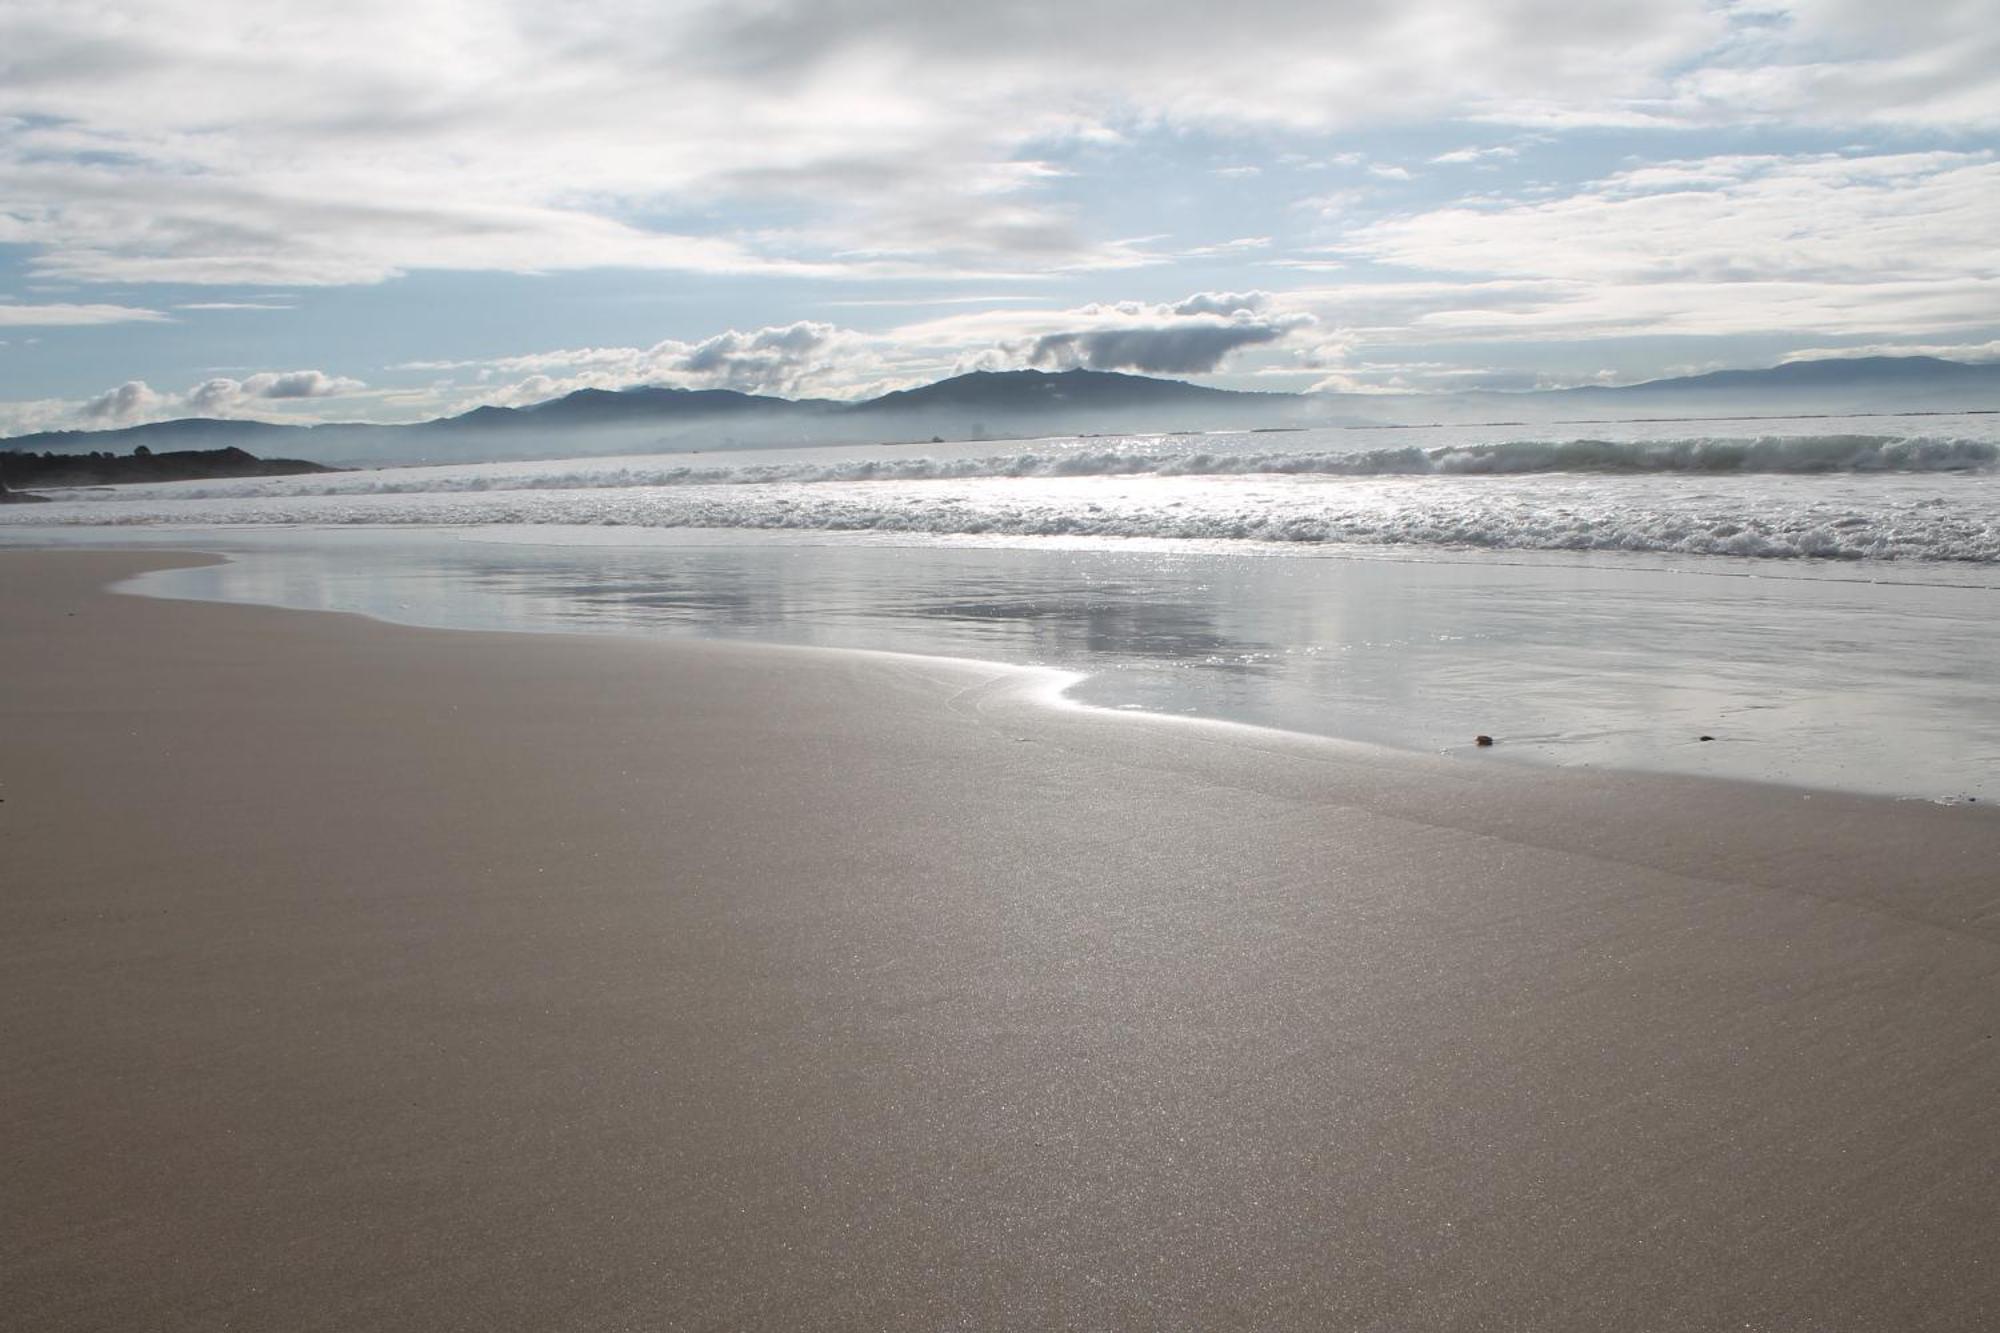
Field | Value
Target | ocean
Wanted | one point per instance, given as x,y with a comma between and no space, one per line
1802,601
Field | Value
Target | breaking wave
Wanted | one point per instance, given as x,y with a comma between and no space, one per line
1741,518
1771,455
1828,496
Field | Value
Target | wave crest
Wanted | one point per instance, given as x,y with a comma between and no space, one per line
1805,454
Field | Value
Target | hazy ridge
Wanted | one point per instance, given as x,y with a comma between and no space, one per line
988,404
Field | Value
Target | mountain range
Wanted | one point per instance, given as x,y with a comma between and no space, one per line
997,404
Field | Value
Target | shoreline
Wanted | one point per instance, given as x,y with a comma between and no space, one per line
1105,687
380,975
1835,731
1054,687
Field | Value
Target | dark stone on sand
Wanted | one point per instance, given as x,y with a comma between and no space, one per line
1482,741
1705,738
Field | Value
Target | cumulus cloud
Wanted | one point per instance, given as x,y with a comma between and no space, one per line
1226,304
223,394
771,360
1187,349
1190,337
1193,336
136,401
802,359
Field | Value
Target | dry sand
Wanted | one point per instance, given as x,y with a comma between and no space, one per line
357,976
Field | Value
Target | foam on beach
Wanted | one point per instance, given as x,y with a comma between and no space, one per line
1835,491
1705,456
1886,517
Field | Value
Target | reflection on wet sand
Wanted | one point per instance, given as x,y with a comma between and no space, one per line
1815,681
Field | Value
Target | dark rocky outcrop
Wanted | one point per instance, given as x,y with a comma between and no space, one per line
20,469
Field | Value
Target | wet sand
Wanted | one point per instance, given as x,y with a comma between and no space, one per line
358,976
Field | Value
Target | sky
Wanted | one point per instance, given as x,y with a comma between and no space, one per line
396,211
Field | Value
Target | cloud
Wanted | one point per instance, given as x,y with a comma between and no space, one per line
25,416
175,222
136,401
235,305
223,394
1192,349
1193,336
1237,248
131,401
802,359
796,137
1973,352
810,359
771,360
1835,243
1222,303
1851,62
1461,156
60,316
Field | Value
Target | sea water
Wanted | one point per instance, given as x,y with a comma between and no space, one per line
1808,602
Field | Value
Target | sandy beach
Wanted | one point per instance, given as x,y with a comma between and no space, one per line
359,976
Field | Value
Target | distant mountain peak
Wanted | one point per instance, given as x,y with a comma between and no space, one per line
983,403
1038,390
1885,373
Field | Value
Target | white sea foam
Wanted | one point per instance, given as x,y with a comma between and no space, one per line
1842,519
1831,495
1711,456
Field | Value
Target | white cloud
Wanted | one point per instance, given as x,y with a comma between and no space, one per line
1833,243
1934,65
1193,336
60,316
771,360
1975,352
26,416
1222,303
1232,249
1462,156
803,359
224,395
136,401
867,137
131,401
